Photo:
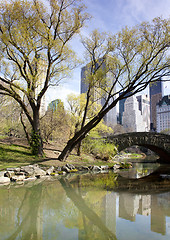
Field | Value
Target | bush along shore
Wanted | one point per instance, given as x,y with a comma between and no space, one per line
33,172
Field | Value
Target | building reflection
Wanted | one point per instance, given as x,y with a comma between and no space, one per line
38,212
128,206
110,211
156,205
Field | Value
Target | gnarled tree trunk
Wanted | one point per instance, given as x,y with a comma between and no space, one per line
36,142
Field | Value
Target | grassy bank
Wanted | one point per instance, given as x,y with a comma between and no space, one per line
15,155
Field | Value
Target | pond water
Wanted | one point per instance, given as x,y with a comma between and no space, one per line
90,206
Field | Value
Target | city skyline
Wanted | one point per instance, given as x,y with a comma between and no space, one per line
110,16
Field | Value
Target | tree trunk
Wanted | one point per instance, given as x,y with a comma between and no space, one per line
70,145
80,135
36,142
83,121
79,149
24,127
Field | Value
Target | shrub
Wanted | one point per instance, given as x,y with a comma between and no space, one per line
99,148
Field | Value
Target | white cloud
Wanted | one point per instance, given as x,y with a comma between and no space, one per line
111,15
143,10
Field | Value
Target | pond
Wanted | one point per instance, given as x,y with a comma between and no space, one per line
89,206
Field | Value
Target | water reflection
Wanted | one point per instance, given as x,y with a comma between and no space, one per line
139,170
86,211
82,208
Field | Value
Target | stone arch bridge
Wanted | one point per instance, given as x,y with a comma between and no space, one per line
157,142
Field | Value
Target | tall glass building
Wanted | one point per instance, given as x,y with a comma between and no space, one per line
155,90
110,118
122,107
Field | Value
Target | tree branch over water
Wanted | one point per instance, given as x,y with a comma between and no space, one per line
88,212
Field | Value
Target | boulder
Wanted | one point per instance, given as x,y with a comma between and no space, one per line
9,174
17,169
104,167
19,173
30,179
70,166
17,178
116,166
38,172
2,173
65,169
96,168
29,170
84,168
59,169
50,170
10,169
4,180
62,173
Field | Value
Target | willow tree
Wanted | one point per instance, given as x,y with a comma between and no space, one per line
34,51
132,59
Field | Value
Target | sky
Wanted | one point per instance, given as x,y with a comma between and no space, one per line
110,16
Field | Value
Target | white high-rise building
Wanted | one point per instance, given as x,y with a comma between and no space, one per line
134,119
163,114
110,118
144,107
40,85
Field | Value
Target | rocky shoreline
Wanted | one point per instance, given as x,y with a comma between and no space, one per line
33,172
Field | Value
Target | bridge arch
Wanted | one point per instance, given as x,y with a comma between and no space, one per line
157,142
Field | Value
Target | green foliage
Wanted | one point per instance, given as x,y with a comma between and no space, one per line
9,117
106,181
54,124
35,142
99,148
77,105
125,165
34,51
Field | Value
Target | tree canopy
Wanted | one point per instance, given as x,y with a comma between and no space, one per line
122,65
35,54
35,51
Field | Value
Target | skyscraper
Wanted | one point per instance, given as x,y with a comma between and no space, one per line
155,90
110,118
163,114
144,107
122,107
132,118
40,83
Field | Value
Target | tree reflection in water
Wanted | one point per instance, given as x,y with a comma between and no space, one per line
84,207
28,221
86,211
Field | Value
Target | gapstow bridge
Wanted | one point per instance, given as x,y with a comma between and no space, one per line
156,142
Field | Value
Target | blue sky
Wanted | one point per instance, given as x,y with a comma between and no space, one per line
111,16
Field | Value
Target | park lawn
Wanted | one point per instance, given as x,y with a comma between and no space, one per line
15,156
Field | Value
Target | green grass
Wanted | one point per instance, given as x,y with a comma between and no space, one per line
15,156
2,136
